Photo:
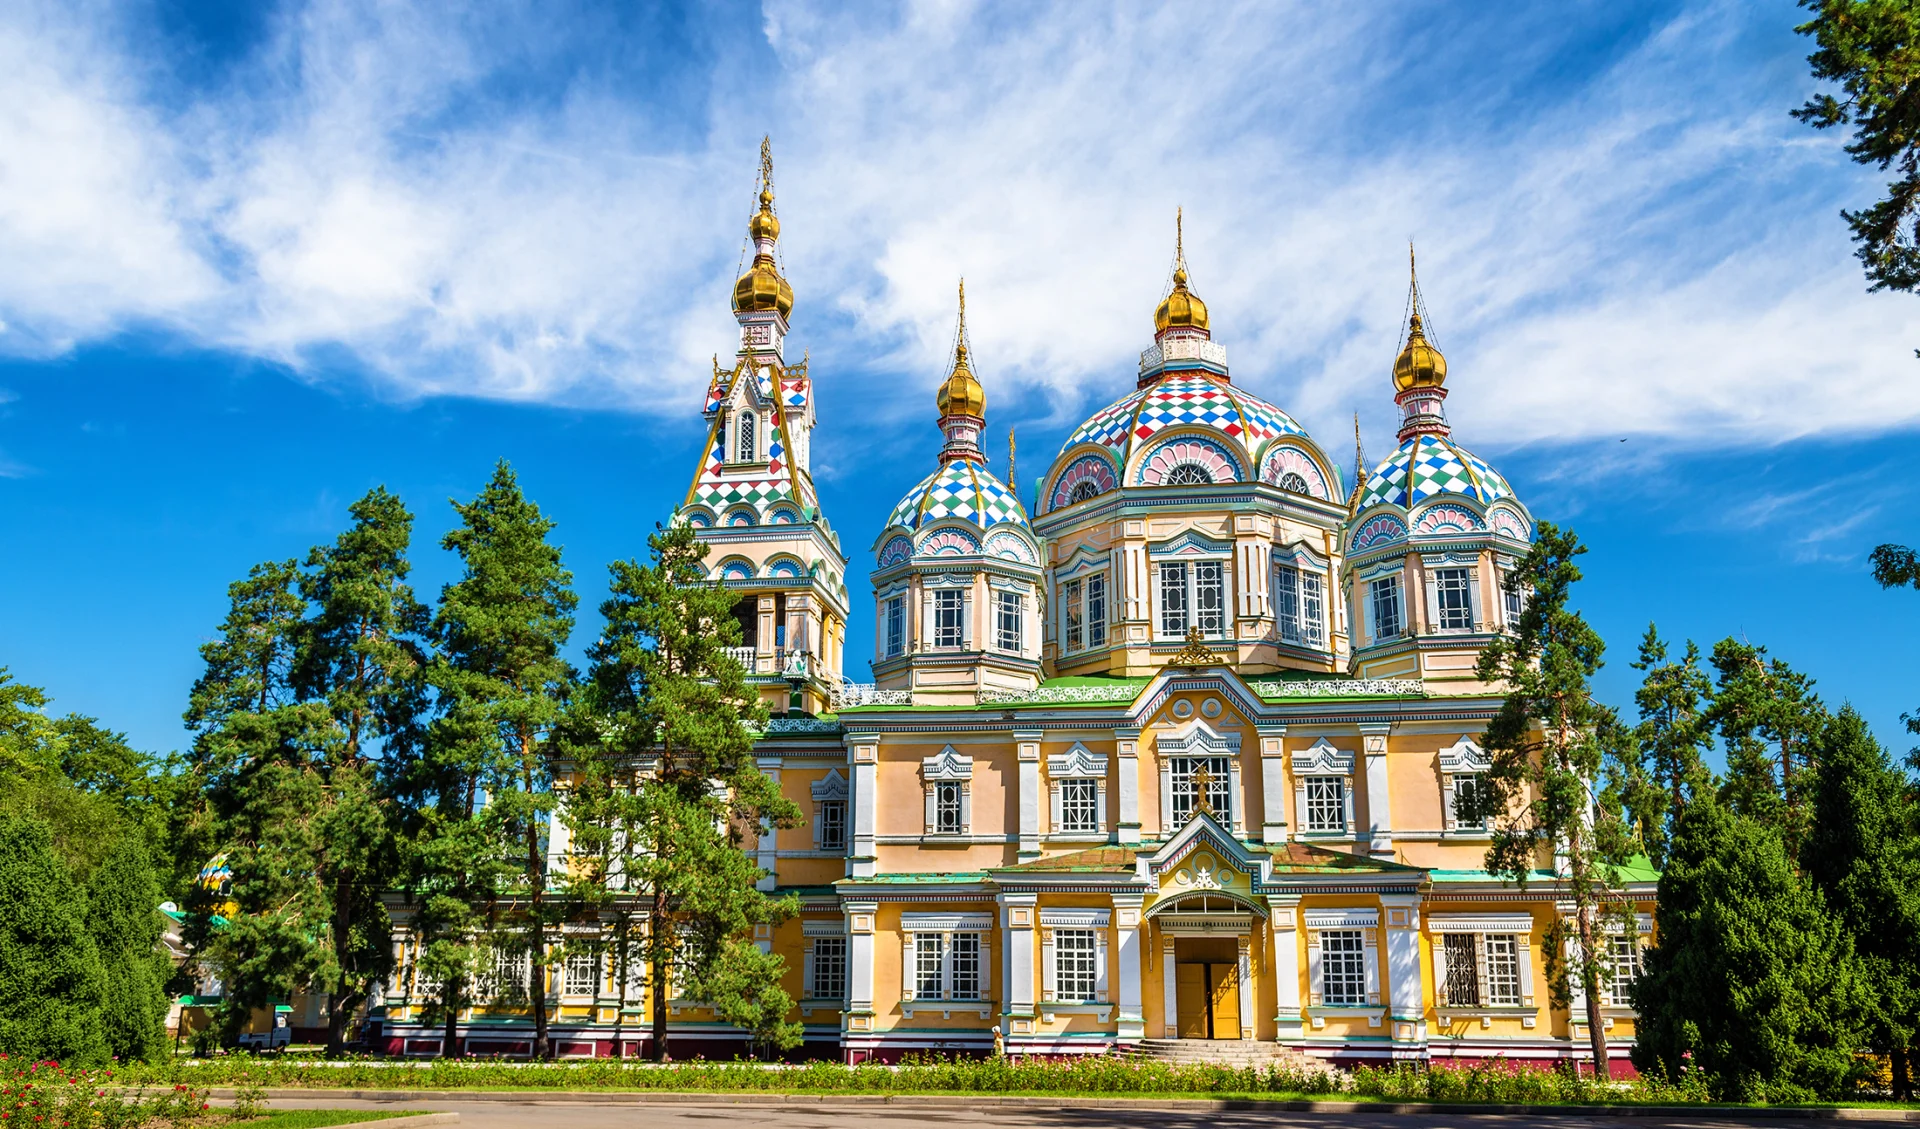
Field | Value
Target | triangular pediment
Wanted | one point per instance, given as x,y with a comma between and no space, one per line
1204,831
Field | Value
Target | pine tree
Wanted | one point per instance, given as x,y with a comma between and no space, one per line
1672,732
51,983
124,920
1769,719
502,685
671,698
1864,856
360,657
1549,744
1750,978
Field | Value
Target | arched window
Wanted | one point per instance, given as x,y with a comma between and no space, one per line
1294,482
748,434
1083,490
1188,474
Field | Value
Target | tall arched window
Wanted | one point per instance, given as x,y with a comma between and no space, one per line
748,434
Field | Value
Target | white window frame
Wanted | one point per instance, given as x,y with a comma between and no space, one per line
1452,601
1192,593
1079,806
1326,792
1626,958
1083,768
1299,605
1343,965
1096,610
949,619
1464,759
833,826
1383,593
578,968
1459,783
949,810
746,437
826,969
1500,948
1055,922
1500,955
948,778
935,955
1183,796
894,619
1009,619
1073,635
1321,759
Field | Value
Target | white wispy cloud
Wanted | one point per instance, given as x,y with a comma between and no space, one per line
1634,243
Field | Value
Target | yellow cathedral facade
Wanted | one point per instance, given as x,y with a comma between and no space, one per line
1172,755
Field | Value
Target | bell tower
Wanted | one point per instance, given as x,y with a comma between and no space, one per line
753,500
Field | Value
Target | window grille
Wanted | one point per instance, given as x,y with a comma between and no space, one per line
946,808
896,625
1626,969
1219,787
1209,597
1096,611
1084,490
1078,809
1343,968
949,619
748,437
829,968
1453,593
582,974
930,966
1467,788
1075,974
1187,474
1516,603
1173,600
1010,607
963,967
1299,605
1385,594
1326,803
1073,603
833,825
1503,970
1463,973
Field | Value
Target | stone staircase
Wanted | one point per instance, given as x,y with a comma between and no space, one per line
1226,1052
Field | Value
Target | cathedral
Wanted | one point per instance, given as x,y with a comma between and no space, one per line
1172,754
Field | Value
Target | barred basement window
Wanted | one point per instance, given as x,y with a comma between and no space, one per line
1453,593
1626,969
582,974
829,968
949,619
1326,803
833,825
1075,976
1503,970
896,625
1385,596
1072,601
1010,607
946,808
1463,973
1343,968
1078,811
1096,611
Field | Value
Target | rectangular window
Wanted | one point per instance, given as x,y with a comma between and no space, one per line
1626,969
1503,970
1463,970
829,968
1466,801
1079,809
1007,629
1075,975
1453,595
1173,600
1186,790
963,981
949,619
946,808
833,825
930,966
511,971
1313,618
582,974
1073,602
896,626
1343,968
1385,594
1096,611
1516,603
1299,606
1209,597
1327,803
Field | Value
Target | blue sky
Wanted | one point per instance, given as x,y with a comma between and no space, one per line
256,259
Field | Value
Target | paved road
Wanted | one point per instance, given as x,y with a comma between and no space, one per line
554,1113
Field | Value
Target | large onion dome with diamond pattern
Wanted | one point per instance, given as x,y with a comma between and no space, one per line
1428,465
962,490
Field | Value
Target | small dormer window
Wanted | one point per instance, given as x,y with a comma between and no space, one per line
1188,474
748,439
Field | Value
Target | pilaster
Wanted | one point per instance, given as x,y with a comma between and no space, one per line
768,853
1379,803
860,939
1126,922
1284,926
1027,749
1127,754
1019,915
1406,989
1273,782
863,760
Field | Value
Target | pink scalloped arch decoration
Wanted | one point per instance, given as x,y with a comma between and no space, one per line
1282,461
949,543
1382,528
1449,519
895,551
1082,473
1188,451
1509,523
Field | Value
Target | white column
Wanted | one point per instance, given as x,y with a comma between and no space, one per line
1170,992
860,920
1273,782
1406,990
1379,806
1027,748
863,758
1018,913
1245,970
1284,927
1236,788
768,854
1126,923
1127,746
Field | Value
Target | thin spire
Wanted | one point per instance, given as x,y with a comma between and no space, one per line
1179,238
766,166
1013,479
960,337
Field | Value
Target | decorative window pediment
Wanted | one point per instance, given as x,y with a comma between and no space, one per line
1322,759
1078,761
1190,544
1199,740
948,764
832,786
1464,756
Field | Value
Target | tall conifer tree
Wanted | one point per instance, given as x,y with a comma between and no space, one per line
502,685
677,710
1672,732
123,917
1863,855
51,983
1549,744
1769,719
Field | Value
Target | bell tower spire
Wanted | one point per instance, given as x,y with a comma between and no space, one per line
1420,371
761,297
962,401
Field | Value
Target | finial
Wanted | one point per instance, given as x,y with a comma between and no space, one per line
1359,452
1012,478
766,167
961,349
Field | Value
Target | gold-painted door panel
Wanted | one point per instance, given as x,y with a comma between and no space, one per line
1225,981
1190,993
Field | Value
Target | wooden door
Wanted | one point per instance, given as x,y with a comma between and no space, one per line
1190,993
1224,979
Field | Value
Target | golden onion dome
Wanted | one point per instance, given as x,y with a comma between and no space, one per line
1419,364
1182,308
764,225
961,393
762,288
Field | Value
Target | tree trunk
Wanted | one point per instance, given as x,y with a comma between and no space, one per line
1590,979
660,956
451,994
537,967
1902,1080
621,957
337,1009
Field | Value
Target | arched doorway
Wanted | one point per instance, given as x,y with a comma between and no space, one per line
1206,965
